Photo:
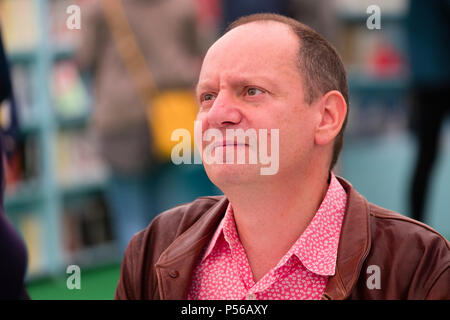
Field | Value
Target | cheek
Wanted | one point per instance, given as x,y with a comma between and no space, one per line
199,128
296,135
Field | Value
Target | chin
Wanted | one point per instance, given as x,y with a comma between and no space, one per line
232,174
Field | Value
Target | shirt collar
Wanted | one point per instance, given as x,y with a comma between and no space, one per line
317,247
230,232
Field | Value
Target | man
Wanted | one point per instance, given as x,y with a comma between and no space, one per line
301,233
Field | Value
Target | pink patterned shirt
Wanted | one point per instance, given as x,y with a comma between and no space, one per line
302,274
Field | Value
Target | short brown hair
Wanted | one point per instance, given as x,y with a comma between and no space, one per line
319,63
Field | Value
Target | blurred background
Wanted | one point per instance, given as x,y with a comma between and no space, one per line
80,174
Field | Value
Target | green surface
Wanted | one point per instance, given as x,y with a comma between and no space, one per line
96,284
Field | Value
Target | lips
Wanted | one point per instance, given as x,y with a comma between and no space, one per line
228,143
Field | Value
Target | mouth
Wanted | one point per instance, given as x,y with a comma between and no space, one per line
224,144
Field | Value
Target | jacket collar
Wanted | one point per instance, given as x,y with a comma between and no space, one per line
316,248
180,257
176,264
354,245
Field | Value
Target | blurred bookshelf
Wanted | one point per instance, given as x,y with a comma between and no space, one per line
380,149
56,180
377,67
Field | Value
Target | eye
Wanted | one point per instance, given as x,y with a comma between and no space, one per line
207,97
253,91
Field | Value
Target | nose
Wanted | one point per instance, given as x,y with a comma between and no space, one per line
224,112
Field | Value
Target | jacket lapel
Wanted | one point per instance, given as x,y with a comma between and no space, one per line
354,245
176,264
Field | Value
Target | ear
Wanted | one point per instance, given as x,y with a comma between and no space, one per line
333,110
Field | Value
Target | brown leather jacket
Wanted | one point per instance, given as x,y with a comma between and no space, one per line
412,261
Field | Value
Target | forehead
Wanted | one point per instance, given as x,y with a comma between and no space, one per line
260,47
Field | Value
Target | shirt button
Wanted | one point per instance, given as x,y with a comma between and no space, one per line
174,274
251,296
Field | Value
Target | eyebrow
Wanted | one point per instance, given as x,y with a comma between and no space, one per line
239,81
204,85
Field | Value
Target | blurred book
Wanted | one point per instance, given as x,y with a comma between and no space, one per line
386,61
72,231
86,224
21,81
78,161
31,230
24,164
371,53
19,24
70,98
95,224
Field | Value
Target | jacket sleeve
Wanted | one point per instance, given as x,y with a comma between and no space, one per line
440,289
126,289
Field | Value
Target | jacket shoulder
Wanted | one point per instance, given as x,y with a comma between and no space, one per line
404,227
408,252
169,224
137,281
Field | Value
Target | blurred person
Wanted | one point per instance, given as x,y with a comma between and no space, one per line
302,232
166,34
429,46
13,253
318,14
233,10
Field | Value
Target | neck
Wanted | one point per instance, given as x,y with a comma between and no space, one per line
271,215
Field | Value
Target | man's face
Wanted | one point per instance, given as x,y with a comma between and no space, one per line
250,80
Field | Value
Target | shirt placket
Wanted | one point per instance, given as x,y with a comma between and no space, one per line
274,275
241,264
